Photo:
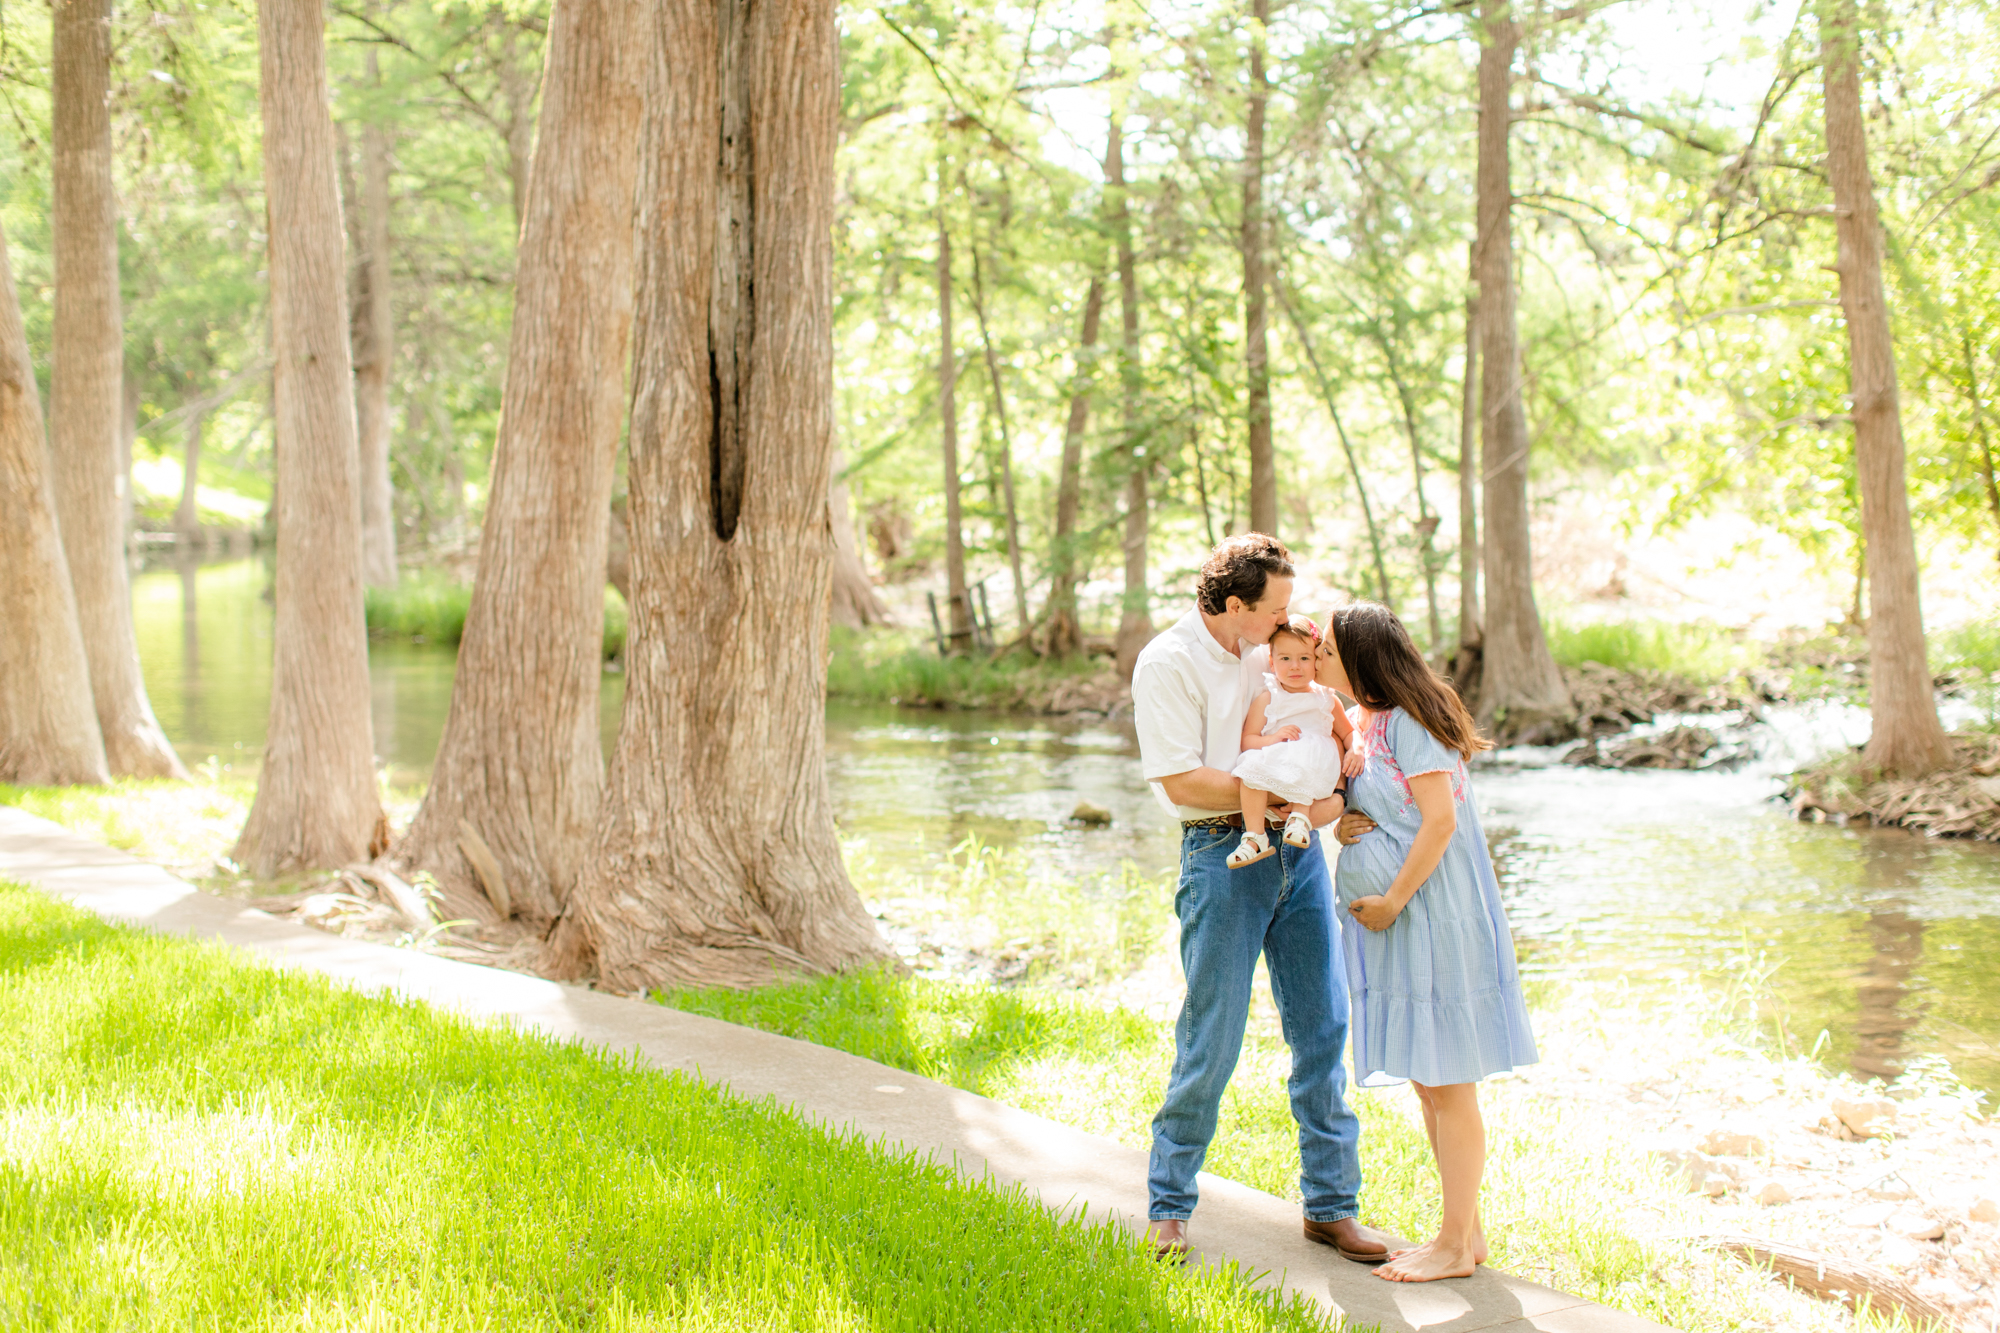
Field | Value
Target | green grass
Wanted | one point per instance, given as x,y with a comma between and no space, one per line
1558,1209
890,666
178,823
428,608
189,1139
1701,652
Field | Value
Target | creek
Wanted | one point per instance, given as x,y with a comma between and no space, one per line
1870,948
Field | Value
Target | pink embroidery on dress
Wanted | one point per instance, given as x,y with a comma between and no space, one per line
1374,742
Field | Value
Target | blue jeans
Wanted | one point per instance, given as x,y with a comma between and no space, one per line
1284,908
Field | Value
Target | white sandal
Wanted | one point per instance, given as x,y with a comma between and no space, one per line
1299,830
1254,848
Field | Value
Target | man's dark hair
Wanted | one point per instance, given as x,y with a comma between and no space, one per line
1240,567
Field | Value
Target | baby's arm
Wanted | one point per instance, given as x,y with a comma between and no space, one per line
1351,762
1253,737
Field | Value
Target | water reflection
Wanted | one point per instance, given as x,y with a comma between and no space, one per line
1881,940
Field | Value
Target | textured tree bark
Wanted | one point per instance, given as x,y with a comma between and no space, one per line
374,339
48,726
316,800
1256,349
1135,619
854,601
715,859
954,525
1906,739
1065,634
520,759
1521,690
86,391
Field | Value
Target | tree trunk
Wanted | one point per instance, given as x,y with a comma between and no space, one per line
1065,634
1470,630
1906,738
1979,431
1467,662
86,391
854,601
954,528
187,514
520,761
1256,351
518,90
715,861
1135,620
374,338
1012,512
1521,690
48,727
316,802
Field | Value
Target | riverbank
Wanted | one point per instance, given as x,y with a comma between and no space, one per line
1961,800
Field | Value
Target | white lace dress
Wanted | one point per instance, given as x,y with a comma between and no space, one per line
1306,769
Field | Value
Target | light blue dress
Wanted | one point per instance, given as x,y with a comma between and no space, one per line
1436,997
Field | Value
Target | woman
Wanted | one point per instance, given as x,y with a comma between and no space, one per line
1436,997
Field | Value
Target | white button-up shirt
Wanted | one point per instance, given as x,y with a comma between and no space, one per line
1189,698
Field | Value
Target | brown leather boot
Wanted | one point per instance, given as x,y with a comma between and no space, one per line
1168,1237
1349,1239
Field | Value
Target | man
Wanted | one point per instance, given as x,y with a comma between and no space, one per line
1191,690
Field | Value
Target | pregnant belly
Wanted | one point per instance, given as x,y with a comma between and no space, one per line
1368,867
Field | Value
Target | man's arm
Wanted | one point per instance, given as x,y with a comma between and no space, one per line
1204,789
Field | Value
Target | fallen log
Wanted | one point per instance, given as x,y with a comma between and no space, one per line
1835,1279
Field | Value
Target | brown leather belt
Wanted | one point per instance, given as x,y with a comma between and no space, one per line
1216,821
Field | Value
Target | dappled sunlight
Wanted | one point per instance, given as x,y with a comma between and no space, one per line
170,1154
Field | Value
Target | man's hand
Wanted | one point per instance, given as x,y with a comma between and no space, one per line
1375,911
1352,825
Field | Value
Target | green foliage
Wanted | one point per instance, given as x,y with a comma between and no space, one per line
194,1138
1973,647
886,666
1697,650
431,608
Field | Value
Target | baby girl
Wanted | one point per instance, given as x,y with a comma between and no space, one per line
1297,744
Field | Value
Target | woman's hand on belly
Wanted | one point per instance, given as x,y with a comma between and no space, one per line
1376,911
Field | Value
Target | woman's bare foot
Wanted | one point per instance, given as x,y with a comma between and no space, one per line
1429,1262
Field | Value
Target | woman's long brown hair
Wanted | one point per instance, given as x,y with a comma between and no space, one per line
1387,672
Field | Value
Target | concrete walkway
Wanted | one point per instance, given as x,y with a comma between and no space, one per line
1065,1167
